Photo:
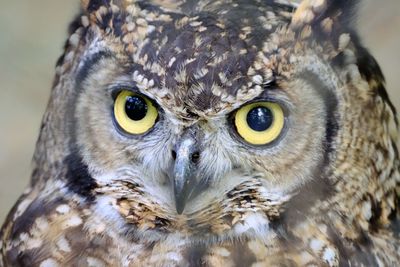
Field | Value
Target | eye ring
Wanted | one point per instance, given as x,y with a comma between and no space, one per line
264,124
134,113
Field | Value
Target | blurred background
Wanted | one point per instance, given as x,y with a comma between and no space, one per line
32,34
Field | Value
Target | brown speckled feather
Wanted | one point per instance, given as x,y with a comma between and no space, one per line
325,193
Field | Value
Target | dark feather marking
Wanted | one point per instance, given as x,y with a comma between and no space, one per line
27,219
23,224
36,209
339,61
354,253
78,177
89,65
31,257
96,4
340,246
150,7
313,191
343,24
396,150
376,210
366,63
348,10
18,259
331,103
195,256
362,254
241,255
318,188
395,227
370,70
381,91
105,20
118,23
73,27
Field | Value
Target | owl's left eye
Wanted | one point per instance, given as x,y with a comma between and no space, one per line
134,113
260,123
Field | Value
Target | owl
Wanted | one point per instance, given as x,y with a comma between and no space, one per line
212,133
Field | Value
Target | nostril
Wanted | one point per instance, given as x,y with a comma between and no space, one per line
174,154
195,157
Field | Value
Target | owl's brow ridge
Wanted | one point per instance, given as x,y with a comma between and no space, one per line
90,63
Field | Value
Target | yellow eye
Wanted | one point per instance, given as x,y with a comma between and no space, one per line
134,113
260,123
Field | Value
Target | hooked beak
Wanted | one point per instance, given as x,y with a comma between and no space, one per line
186,156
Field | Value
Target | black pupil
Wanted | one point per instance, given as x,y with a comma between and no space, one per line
135,108
260,119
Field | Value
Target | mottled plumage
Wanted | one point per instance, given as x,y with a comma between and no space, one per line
323,193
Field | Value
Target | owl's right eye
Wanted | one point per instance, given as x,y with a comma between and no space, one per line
134,113
260,123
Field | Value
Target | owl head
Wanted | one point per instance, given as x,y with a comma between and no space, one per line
214,119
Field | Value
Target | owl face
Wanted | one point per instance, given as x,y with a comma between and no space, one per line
212,133
199,125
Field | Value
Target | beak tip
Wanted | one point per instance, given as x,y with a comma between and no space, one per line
179,210
180,205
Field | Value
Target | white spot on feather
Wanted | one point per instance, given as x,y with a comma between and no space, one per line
85,21
63,209
49,263
254,224
63,244
22,207
316,245
344,41
366,210
171,62
258,79
330,256
33,243
222,252
173,256
93,262
42,224
72,222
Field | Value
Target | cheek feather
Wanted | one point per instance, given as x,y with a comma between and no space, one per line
256,225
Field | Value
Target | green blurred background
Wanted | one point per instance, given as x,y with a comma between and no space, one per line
32,33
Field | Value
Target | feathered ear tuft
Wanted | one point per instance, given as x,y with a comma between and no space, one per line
93,5
107,15
326,14
84,4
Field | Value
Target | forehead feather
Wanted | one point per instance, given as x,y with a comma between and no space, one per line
198,55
